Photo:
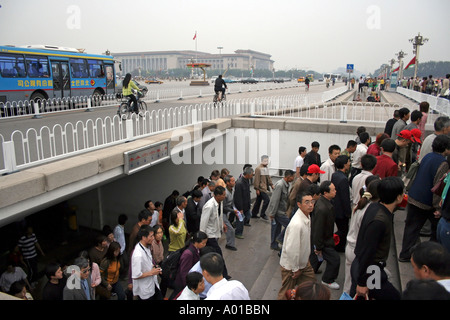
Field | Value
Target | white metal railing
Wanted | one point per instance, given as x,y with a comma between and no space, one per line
26,108
438,104
36,147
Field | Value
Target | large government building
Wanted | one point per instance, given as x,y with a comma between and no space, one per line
166,60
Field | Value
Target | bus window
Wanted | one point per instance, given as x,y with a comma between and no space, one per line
12,66
96,69
37,67
79,69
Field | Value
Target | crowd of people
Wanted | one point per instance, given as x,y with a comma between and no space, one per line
435,86
344,204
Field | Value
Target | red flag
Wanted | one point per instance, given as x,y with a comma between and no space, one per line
412,62
195,35
395,70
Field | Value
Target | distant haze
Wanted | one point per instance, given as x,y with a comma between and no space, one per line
320,35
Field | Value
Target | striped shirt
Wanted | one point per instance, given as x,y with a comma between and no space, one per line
28,246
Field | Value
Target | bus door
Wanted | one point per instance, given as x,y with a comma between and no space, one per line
61,79
110,84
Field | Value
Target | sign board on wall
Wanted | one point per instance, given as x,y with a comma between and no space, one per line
145,157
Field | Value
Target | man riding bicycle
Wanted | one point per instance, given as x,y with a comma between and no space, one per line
220,85
307,82
127,85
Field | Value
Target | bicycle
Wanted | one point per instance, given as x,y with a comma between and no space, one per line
125,111
218,97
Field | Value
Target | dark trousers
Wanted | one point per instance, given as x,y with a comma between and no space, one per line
133,102
386,291
212,242
333,263
415,219
342,231
263,197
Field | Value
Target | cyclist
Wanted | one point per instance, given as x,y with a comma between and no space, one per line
307,82
127,85
220,85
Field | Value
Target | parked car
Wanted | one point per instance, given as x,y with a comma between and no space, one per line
249,80
278,80
150,81
301,79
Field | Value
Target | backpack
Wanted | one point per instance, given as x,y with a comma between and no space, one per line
411,175
170,266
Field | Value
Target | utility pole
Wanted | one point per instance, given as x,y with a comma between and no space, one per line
417,41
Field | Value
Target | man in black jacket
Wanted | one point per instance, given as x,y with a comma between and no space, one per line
242,200
342,203
322,232
220,85
192,213
373,244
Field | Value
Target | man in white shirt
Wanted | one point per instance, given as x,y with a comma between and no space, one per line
211,221
430,260
361,150
294,261
368,163
299,161
328,166
144,274
212,265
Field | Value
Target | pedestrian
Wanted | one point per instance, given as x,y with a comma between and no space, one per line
177,230
421,205
119,236
229,212
431,260
368,163
441,126
294,260
386,166
53,289
212,265
375,148
373,244
187,260
424,107
328,166
144,273
400,124
191,211
110,271
361,150
368,195
211,221
391,122
342,201
242,200
194,286
78,285
322,236
299,160
30,247
313,157
98,251
144,218
262,184
12,274
277,209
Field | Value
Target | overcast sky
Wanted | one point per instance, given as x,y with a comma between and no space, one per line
320,35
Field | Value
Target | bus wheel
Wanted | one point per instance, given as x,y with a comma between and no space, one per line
97,98
39,100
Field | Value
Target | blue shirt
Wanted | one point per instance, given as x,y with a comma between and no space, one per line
85,286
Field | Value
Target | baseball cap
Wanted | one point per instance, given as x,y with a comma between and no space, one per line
416,133
405,134
314,168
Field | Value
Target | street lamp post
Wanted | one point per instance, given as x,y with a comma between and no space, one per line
417,41
400,56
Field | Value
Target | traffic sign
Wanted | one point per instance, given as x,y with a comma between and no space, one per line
350,68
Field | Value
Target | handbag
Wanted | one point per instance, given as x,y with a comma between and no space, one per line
438,188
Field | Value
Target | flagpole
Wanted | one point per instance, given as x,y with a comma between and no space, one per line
196,46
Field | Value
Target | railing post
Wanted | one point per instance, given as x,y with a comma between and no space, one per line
343,113
252,108
181,95
89,104
35,106
9,156
157,96
200,94
129,129
194,115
